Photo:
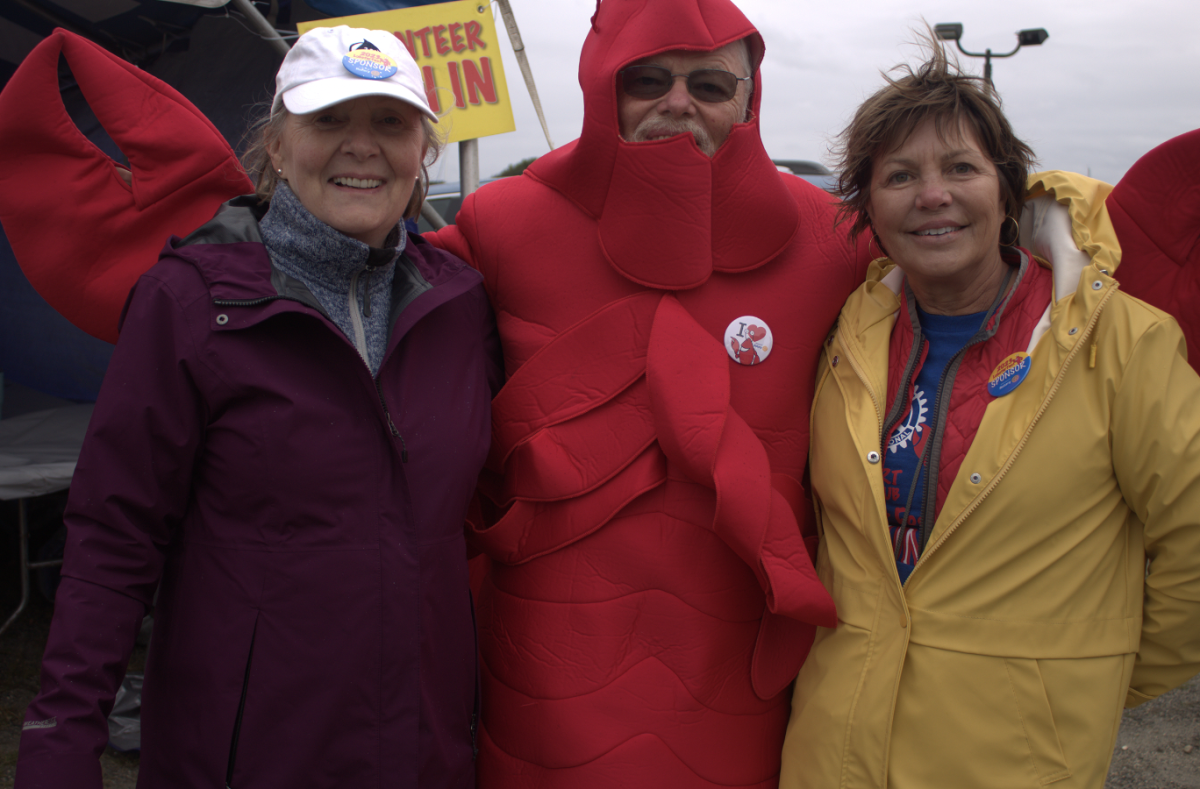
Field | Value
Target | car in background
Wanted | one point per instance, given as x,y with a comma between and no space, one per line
815,173
445,198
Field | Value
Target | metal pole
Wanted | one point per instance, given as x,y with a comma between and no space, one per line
265,29
430,215
514,35
468,166
987,67
23,566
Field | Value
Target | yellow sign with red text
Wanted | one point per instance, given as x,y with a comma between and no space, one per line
455,46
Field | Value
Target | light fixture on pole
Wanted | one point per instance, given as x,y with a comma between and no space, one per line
952,31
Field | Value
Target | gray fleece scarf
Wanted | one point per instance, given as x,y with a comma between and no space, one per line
350,280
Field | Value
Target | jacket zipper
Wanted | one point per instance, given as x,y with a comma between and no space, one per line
253,302
392,425
360,335
378,386
237,722
477,709
1080,343
890,564
905,385
929,505
933,443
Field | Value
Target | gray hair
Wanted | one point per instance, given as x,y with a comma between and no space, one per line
744,53
264,132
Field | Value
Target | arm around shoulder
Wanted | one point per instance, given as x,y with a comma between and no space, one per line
459,238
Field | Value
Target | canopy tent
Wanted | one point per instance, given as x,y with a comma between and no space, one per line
211,56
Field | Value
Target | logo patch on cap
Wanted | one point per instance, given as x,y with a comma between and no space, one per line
1009,374
365,60
748,340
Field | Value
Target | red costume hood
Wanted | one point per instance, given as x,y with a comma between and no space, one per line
1155,210
668,215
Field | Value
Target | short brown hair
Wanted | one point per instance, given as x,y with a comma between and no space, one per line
936,90
269,127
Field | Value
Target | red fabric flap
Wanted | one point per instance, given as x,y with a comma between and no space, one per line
532,529
549,467
582,368
80,234
659,232
688,371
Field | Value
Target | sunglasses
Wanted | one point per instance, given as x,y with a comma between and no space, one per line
653,82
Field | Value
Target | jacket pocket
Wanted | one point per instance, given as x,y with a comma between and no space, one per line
1037,720
237,721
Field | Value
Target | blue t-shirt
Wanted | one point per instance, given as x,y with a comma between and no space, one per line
905,457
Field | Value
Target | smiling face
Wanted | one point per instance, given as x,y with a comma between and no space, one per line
677,111
353,165
937,207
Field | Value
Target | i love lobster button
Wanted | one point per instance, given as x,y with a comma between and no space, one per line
748,340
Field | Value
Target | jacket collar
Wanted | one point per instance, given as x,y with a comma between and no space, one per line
229,254
302,244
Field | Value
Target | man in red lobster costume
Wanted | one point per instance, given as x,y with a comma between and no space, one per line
662,302
662,294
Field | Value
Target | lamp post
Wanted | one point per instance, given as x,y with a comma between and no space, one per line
1025,38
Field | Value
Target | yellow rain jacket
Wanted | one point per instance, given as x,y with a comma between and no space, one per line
1031,618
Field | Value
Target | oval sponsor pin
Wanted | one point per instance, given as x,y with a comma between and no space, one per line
748,340
369,63
1009,374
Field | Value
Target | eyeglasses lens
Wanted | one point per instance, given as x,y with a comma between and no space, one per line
653,82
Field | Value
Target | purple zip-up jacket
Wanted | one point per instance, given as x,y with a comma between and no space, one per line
313,625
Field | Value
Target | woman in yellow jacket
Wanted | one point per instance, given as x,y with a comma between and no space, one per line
1004,462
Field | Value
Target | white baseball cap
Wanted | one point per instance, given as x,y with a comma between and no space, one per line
329,65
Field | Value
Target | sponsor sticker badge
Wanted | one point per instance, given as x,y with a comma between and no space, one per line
1009,374
365,60
748,340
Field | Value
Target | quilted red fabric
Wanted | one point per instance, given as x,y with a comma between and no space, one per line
1014,325
1155,210
80,233
650,594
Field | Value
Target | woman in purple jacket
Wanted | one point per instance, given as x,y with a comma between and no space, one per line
284,447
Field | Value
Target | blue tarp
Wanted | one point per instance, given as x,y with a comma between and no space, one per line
40,348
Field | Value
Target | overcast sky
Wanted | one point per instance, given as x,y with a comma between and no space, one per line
1115,78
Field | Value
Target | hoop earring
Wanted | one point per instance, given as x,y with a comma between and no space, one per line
875,238
1016,234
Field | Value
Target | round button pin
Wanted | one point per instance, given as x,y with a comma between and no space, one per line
369,64
1009,374
748,340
